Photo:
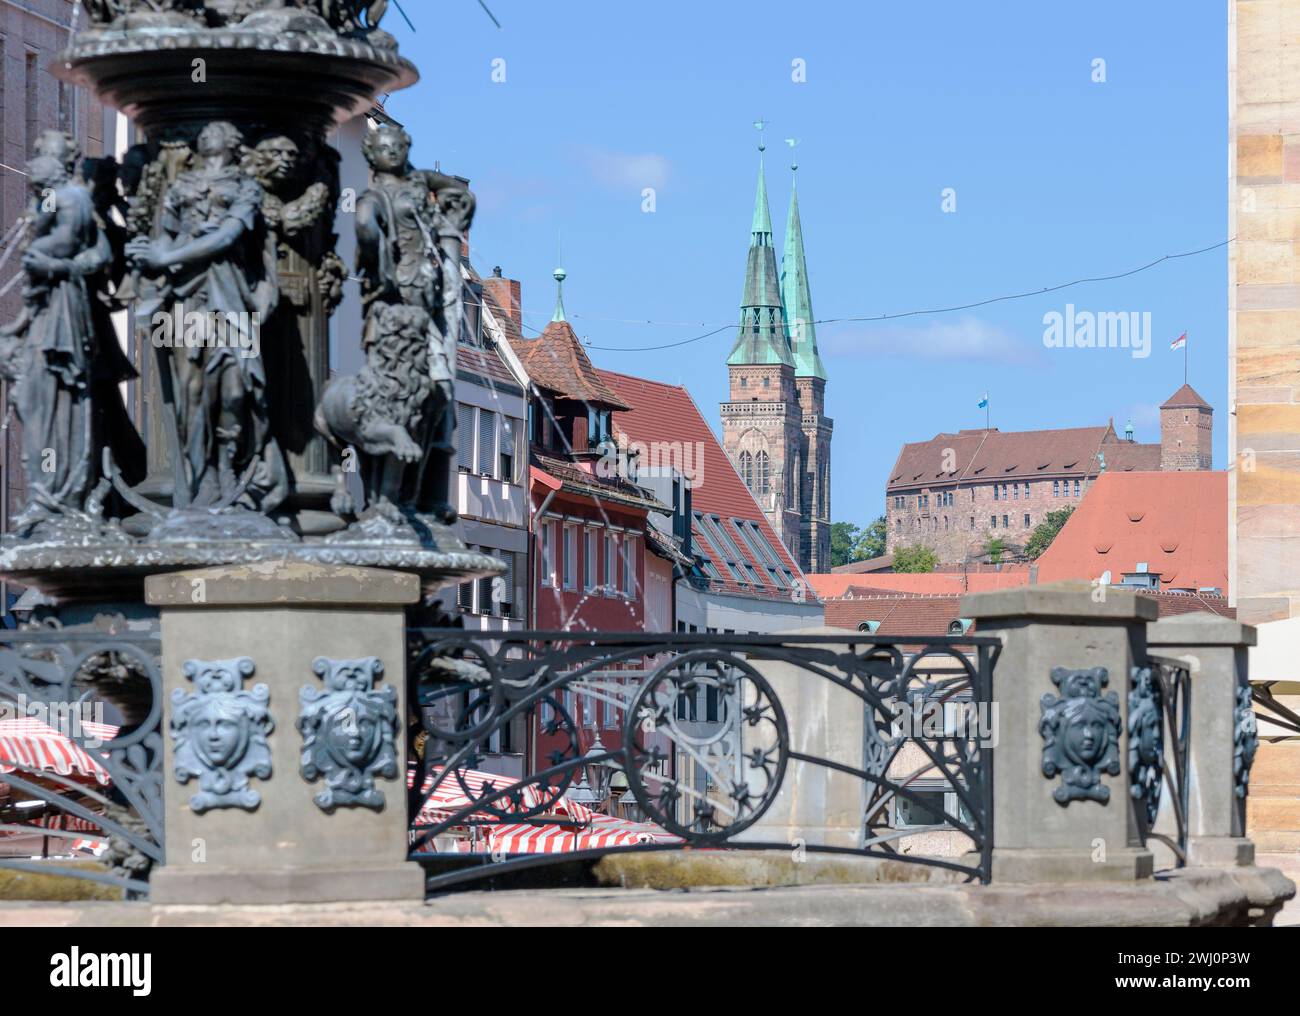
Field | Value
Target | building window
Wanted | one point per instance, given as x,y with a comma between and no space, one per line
1056,488
1026,490
746,462
762,473
1026,521
972,522
506,454
487,597
996,494
548,553
32,83
1076,488
1005,522
509,601
611,565
465,596
599,428
611,715
1015,492
487,450
993,522
629,566
464,437
591,575
570,557
67,108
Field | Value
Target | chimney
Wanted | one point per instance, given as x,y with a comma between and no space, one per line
505,294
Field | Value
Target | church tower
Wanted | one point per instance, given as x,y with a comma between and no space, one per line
810,382
762,421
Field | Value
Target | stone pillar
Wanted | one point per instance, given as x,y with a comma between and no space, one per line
1214,649
816,805
1077,824
241,645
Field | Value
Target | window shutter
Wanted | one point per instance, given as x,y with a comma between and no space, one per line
465,436
487,430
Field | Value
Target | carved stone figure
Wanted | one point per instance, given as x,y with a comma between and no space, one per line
410,234
377,411
344,16
211,287
62,354
1245,740
299,180
348,732
1080,731
1146,758
220,732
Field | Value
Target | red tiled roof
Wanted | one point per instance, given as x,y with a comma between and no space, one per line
586,482
948,583
1175,522
1186,397
884,562
666,413
898,614
901,614
1132,458
555,360
986,456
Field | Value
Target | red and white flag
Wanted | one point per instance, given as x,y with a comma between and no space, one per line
1179,342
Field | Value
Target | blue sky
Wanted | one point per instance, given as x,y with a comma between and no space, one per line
1056,176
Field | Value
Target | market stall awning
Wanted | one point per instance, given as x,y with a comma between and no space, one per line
32,744
564,826
600,832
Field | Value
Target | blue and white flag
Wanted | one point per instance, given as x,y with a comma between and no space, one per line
984,402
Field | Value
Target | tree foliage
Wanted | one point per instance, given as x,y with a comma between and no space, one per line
851,543
1045,532
915,559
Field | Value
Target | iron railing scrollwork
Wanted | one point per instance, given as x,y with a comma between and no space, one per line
1159,740
67,676
702,743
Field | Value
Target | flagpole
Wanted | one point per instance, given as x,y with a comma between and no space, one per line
1184,360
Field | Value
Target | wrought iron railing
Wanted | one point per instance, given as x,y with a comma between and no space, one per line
67,679
704,730
1159,740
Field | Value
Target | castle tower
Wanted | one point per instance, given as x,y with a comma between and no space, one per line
810,383
1186,432
761,422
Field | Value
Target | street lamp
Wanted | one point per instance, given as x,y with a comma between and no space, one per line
598,770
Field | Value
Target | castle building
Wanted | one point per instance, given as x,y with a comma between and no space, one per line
958,493
774,424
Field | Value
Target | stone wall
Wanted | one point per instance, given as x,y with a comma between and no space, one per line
1264,307
948,528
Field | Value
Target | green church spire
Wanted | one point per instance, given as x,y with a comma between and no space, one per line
761,337
796,296
559,276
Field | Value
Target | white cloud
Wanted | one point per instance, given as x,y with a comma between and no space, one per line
624,171
960,339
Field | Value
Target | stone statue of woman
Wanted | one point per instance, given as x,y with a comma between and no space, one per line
63,356
410,234
213,276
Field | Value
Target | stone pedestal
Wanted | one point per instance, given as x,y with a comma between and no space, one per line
817,805
1036,838
1214,649
287,848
